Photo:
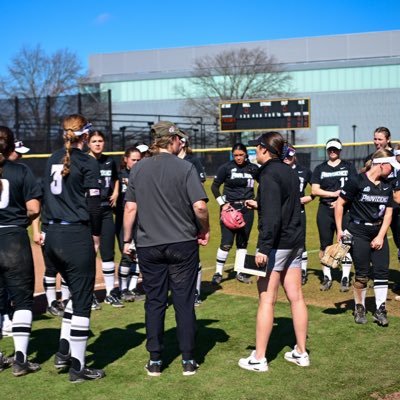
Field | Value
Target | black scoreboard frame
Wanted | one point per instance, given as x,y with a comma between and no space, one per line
277,106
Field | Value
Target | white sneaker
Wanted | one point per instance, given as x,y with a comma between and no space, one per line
252,364
301,359
7,328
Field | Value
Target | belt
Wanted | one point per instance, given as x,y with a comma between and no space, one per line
58,221
238,202
361,222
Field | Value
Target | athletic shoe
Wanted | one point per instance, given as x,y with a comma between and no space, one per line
244,278
5,362
7,328
127,295
304,277
153,368
345,285
95,303
380,316
190,367
56,308
86,374
113,301
252,364
139,296
216,279
62,361
326,284
20,369
301,359
360,314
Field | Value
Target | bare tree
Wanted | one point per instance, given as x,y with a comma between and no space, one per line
37,78
232,75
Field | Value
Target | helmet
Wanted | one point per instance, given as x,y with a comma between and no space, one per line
232,218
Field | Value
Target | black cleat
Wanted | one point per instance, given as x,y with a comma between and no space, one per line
190,367
153,368
380,316
20,369
86,374
360,314
62,361
56,308
216,279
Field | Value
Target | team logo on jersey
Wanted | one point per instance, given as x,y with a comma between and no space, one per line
105,172
334,174
366,189
370,198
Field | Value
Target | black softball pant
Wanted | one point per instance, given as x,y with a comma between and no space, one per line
170,267
364,257
70,248
242,235
17,278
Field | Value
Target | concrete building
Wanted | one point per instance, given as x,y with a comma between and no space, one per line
353,80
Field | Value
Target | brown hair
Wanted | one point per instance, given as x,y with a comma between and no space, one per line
378,154
274,143
161,143
6,148
386,132
71,124
127,153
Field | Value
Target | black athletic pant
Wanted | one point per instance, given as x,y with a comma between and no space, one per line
170,267
364,257
107,235
70,248
16,268
395,226
242,235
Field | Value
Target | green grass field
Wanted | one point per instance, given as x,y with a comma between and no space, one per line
348,361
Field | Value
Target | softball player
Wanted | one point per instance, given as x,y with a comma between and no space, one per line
19,204
304,175
237,176
371,201
72,206
130,158
109,195
326,181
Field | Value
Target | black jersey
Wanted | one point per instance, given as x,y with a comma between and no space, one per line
108,176
238,181
199,167
331,178
368,201
123,177
19,186
65,198
304,175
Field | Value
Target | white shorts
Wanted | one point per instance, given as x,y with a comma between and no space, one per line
280,259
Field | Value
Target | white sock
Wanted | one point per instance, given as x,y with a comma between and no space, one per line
123,273
363,296
66,322
49,283
198,282
327,272
65,293
346,266
133,282
79,337
108,268
22,324
6,319
222,255
380,290
304,261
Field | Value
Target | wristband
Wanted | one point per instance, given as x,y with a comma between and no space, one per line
127,241
221,200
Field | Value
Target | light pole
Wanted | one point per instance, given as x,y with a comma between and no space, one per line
354,141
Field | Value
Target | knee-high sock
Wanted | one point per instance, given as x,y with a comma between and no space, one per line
198,282
381,291
327,272
222,255
346,266
65,334
79,337
304,261
64,290
123,273
22,324
49,284
108,268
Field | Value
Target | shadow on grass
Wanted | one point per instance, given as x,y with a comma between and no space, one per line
207,288
348,305
206,339
114,343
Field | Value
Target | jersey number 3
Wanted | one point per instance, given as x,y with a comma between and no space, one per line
56,181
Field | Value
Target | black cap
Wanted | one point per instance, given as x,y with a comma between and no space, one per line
262,141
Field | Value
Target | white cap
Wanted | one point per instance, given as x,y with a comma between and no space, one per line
390,160
142,148
20,148
335,144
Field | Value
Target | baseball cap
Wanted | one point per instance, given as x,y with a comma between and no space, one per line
334,143
166,128
20,148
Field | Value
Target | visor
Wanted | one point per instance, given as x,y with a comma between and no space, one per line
384,160
335,144
20,148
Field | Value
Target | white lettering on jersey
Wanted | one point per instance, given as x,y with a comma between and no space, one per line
334,174
5,194
56,182
105,172
239,175
371,198
94,192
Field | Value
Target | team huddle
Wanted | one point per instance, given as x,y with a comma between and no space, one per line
156,208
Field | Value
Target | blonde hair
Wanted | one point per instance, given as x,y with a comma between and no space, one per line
161,143
71,124
381,153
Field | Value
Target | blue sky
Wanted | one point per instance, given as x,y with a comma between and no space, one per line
104,26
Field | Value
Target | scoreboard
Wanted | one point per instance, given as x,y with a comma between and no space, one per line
257,115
